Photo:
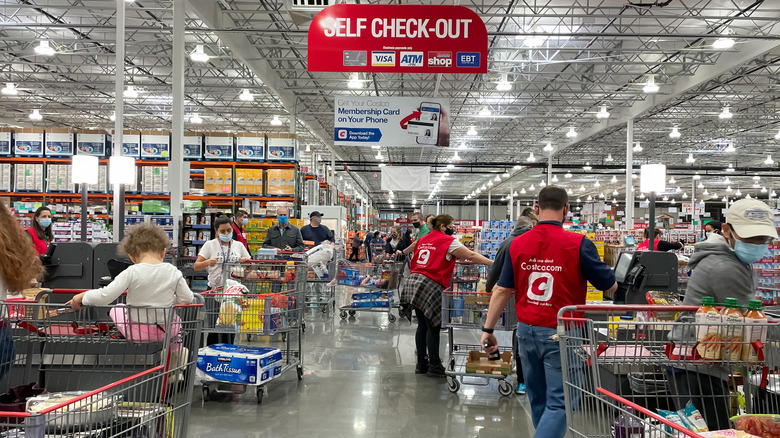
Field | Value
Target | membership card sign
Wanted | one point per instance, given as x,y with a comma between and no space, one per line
397,38
392,121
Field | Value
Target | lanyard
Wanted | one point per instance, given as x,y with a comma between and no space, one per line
222,249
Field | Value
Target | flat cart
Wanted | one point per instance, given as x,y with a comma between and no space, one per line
98,371
464,308
369,287
659,357
260,298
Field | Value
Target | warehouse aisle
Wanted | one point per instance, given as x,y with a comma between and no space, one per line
359,381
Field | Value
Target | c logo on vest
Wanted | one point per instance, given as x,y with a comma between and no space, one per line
540,286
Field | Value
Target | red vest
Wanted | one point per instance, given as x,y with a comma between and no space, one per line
546,261
40,245
644,246
430,257
239,235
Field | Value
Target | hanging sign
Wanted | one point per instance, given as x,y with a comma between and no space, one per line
398,39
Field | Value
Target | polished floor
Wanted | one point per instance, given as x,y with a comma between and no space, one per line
359,381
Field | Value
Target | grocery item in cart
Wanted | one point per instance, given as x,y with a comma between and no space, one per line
91,410
675,418
239,364
731,333
729,433
765,426
628,426
754,330
693,419
664,298
708,330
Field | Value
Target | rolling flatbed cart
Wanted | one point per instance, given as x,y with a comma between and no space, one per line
369,288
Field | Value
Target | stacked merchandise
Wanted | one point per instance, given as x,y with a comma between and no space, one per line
5,177
238,364
493,233
218,180
249,182
59,178
281,182
195,232
100,187
766,275
28,178
164,222
155,180
97,231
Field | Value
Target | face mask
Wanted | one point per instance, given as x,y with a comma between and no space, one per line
282,220
44,223
226,237
416,224
245,221
750,253
449,231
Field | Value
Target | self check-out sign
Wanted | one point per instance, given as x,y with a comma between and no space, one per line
397,38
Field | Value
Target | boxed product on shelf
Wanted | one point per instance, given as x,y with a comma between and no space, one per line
59,142
58,178
26,177
5,141
250,146
218,180
92,143
154,179
5,177
281,182
282,147
155,144
218,146
131,143
193,146
28,142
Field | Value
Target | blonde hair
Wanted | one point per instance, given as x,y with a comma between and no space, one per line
19,261
144,238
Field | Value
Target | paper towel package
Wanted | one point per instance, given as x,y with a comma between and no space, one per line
238,364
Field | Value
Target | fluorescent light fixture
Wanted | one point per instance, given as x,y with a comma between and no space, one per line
609,158
589,198
354,81
44,48
548,147
725,113
542,184
675,133
515,192
517,167
463,146
706,192
568,175
685,195
531,158
672,181
532,188
195,118
614,179
246,96
587,167
579,200
456,157
555,178
769,160
308,149
198,55
601,195
485,112
572,133
723,43
582,187
650,86
490,184
700,186
121,170
113,116
730,168
376,146
597,184
614,192
472,132
85,169
653,178
533,41
728,189
690,159
276,121
603,113
641,196
522,191
504,84
36,116
497,178
10,89
763,190
665,198
697,176
638,147
730,148
450,166
130,92
738,193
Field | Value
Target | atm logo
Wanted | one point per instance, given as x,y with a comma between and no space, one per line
383,59
411,59
439,59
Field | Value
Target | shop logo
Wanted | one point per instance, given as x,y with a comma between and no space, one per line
468,59
439,59
540,286
342,134
383,59
411,59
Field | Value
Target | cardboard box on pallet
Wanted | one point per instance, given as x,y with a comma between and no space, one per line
479,363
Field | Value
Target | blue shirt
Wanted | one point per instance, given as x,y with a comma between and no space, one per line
598,273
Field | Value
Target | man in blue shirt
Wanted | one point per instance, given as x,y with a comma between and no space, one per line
315,231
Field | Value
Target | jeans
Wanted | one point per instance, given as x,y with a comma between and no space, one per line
540,356
427,338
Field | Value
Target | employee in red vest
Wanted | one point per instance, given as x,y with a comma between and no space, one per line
40,232
547,268
432,266
240,220
658,244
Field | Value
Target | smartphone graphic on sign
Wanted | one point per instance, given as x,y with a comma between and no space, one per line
430,117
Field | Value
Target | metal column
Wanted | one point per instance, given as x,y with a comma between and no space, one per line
490,203
629,217
176,165
119,78
549,171
511,203
477,209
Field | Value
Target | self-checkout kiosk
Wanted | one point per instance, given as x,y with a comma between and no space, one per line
639,272
78,265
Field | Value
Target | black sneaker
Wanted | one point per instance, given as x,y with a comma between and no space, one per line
422,365
436,370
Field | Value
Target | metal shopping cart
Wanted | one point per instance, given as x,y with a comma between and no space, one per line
260,298
465,308
658,357
369,287
320,289
103,376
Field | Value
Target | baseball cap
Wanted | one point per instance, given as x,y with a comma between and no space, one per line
751,218
315,213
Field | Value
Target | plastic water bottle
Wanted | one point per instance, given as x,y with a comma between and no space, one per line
626,425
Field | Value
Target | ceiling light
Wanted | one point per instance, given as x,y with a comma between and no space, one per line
748,196
354,81
515,193
672,181
456,157
548,147
769,160
601,195
603,113
113,116
773,194
531,158
465,198
665,198
724,199
195,118
730,148
728,189
678,190
246,96
569,191
706,192
579,200
554,178
44,49
444,175
472,132
36,115
615,193
638,147
503,84
276,121
726,113
485,112
650,86
777,136
675,133
685,196
379,155
450,166
763,190
598,184
582,187
130,93
308,149
484,187
572,133
198,55
614,179
700,186
497,178
506,175
697,176
730,168
522,191
542,184
609,158
568,175
590,198
532,188
382,164
533,41
641,196
738,193
490,183
690,159
723,43
634,176
756,178
463,146
10,90
517,167
587,167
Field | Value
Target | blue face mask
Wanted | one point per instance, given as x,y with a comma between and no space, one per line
750,252
226,237
245,221
283,220
44,223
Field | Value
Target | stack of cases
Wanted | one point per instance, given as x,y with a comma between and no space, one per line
281,182
218,180
766,276
102,184
164,222
5,177
59,178
493,233
29,178
63,231
249,182
155,179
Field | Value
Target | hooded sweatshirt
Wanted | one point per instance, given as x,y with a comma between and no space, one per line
498,264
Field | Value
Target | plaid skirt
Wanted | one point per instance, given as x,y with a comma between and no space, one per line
424,294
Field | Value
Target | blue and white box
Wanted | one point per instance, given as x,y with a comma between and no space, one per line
282,149
91,143
239,364
5,143
131,144
193,146
155,145
28,143
59,144
218,146
250,146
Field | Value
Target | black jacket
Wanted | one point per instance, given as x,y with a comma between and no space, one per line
292,237
498,264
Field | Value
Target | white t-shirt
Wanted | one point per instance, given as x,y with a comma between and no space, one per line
214,248
147,285
453,247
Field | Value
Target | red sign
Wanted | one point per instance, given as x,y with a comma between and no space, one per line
321,180
403,221
397,39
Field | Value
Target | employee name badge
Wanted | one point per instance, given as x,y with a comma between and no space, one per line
59,144
218,148
28,143
282,149
155,146
193,147
91,144
250,148
5,143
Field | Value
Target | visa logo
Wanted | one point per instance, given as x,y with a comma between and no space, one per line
383,59
468,59
411,59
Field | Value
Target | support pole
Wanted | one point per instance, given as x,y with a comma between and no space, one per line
549,171
477,209
651,228
629,217
84,213
119,78
490,205
511,203
176,165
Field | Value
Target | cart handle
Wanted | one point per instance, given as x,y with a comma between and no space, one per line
685,432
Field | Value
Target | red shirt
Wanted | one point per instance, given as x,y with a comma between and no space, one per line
430,257
644,246
40,245
547,274
239,235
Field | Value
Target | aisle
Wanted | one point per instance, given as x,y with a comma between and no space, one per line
359,381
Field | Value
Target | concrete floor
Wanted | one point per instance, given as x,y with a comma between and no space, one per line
359,381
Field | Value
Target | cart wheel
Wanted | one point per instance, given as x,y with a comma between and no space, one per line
303,327
300,373
504,388
260,393
343,314
391,318
352,312
249,338
453,384
205,393
284,337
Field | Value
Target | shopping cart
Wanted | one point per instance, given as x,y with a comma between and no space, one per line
103,376
369,287
260,298
320,291
651,356
465,308
378,255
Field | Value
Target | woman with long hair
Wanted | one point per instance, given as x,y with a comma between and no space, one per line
40,231
19,262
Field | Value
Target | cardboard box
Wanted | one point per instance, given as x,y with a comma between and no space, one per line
238,364
478,363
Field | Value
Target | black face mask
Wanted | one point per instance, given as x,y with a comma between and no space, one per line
449,231
416,224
